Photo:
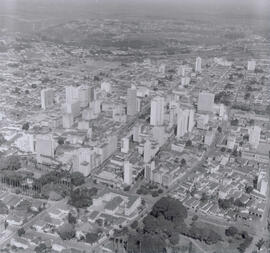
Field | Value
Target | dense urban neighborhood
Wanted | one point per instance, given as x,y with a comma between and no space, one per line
136,136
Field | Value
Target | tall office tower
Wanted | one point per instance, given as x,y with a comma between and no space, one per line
47,97
84,160
185,81
90,133
68,120
198,65
136,132
72,108
131,101
45,147
138,102
191,120
251,65
92,94
128,171
182,122
124,145
147,172
254,136
157,111
206,102
147,151
181,71
84,95
72,94
159,134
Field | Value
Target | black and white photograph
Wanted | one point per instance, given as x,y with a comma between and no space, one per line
134,126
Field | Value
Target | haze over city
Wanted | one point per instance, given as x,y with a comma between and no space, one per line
134,126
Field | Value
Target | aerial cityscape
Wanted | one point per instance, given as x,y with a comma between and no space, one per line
134,126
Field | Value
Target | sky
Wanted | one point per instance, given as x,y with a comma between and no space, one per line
59,11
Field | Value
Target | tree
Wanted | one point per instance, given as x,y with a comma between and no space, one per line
246,137
42,248
141,243
66,231
235,153
91,238
77,178
231,231
219,129
174,239
26,126
204,197
234,122
171,209
195,217
183,162
3,208
267,109
188,143
127,188
134,224
225,203
71,219
11,163
61,140
255,182
21,232
223,149
6,224
82,197
154,194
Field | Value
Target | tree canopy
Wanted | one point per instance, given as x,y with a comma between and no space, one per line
82,197
77,178
66,231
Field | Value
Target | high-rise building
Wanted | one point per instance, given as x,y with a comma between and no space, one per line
72,108
136,132
148,171
202,121
254,136
85,159
68,120
251,65
182,122
206,102
84,95
131,101
147,151
185,81
47,98
185,121
157,111
105,150
124,145
198,65
128,173
45,147
92,94
181,71
191,122
72,94
159,134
